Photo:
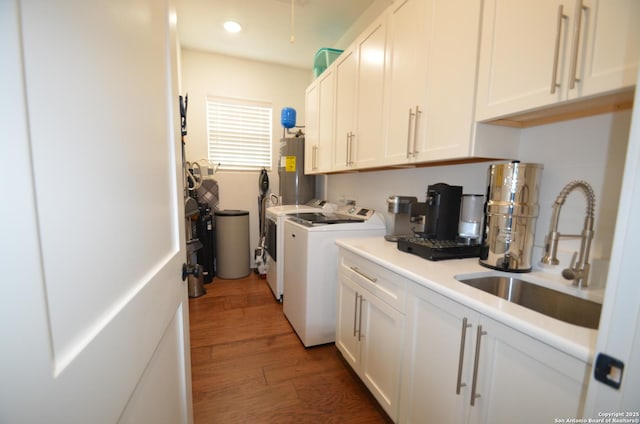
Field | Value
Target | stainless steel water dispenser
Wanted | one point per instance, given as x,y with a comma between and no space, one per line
511,212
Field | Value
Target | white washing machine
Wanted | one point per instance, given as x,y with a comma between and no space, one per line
274,240
311,267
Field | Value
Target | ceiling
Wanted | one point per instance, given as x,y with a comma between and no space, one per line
267,27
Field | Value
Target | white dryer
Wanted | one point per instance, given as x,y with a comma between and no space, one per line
311,267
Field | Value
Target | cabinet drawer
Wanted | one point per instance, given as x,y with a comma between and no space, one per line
384,284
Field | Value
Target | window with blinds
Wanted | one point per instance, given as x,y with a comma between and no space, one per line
239,134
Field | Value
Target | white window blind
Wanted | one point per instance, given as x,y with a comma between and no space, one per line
239,134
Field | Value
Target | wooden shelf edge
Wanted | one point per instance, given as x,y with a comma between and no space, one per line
567,111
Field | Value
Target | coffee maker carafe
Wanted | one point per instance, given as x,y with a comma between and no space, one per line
442,211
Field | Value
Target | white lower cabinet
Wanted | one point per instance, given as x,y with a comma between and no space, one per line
460,366
428,359
370,331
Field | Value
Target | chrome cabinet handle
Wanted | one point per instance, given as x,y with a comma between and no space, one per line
476,360
357,271
348,145
350,136
355,314
314,157
463,337
556,53
577,27
411,115
360,320
415,130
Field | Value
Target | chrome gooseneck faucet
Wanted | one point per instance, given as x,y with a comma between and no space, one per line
578,271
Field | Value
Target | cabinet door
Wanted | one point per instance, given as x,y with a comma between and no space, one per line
312,126
325,130
449,112
408,49
382,332
432,360
348,321
523,380
366,146
607,58
517,55
345,103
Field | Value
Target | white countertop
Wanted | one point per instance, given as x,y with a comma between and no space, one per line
439,277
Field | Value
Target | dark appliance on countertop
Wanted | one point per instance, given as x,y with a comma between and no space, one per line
443,211
440,237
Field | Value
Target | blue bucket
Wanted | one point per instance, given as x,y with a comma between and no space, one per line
288,117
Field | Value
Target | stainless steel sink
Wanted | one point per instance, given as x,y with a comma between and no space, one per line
562,306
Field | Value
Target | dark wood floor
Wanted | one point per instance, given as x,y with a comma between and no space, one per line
248,366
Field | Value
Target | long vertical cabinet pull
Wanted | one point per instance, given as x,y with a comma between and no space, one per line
350,136
415,131
347,161
360,320
314,157
351,159
476,360
577,28
463,337
556,53
409,149
355,314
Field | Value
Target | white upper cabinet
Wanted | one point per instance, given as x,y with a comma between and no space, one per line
319,106
536,54
608,56
326,108
367,141
431,84
311,127
359,73
406,80
452,57
345,103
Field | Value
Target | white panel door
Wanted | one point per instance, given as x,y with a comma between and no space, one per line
619,331
95,316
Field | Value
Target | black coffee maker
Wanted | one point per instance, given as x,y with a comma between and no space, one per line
442,211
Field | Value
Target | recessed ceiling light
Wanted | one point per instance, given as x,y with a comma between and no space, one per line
232,26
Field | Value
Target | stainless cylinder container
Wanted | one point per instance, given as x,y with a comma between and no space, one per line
511,212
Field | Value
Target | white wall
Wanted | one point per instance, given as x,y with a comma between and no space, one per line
369,15
592,149
209,74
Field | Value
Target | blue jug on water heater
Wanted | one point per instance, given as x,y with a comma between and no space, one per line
288,117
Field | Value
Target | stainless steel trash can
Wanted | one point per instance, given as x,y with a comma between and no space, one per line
232,244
